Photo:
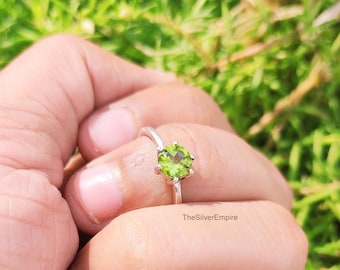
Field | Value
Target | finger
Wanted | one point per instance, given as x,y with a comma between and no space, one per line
62,79
36,228
256,235
120,122
45,93
226,169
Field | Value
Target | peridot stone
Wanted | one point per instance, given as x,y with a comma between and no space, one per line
175,161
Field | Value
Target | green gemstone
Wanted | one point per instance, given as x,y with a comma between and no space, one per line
175,161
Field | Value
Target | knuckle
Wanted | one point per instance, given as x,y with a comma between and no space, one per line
205,107
287,236
64,52
60,41
136,242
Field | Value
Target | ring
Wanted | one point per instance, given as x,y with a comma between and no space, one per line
174,162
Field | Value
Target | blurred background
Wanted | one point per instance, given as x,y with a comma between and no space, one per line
272,66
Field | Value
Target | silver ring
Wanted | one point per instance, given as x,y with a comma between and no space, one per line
174,162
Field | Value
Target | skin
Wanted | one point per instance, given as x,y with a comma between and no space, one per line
65,92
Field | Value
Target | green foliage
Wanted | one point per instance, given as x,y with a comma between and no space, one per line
253,57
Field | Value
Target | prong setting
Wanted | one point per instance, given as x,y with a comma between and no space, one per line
158,168
173,181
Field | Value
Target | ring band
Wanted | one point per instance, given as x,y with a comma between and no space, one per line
174,161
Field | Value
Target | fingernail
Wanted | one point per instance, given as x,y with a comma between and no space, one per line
99,192
111,128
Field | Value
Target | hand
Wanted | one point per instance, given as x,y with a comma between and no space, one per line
45,94
65,81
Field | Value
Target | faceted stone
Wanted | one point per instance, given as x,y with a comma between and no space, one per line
175,161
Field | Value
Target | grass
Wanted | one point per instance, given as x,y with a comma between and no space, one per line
273,67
